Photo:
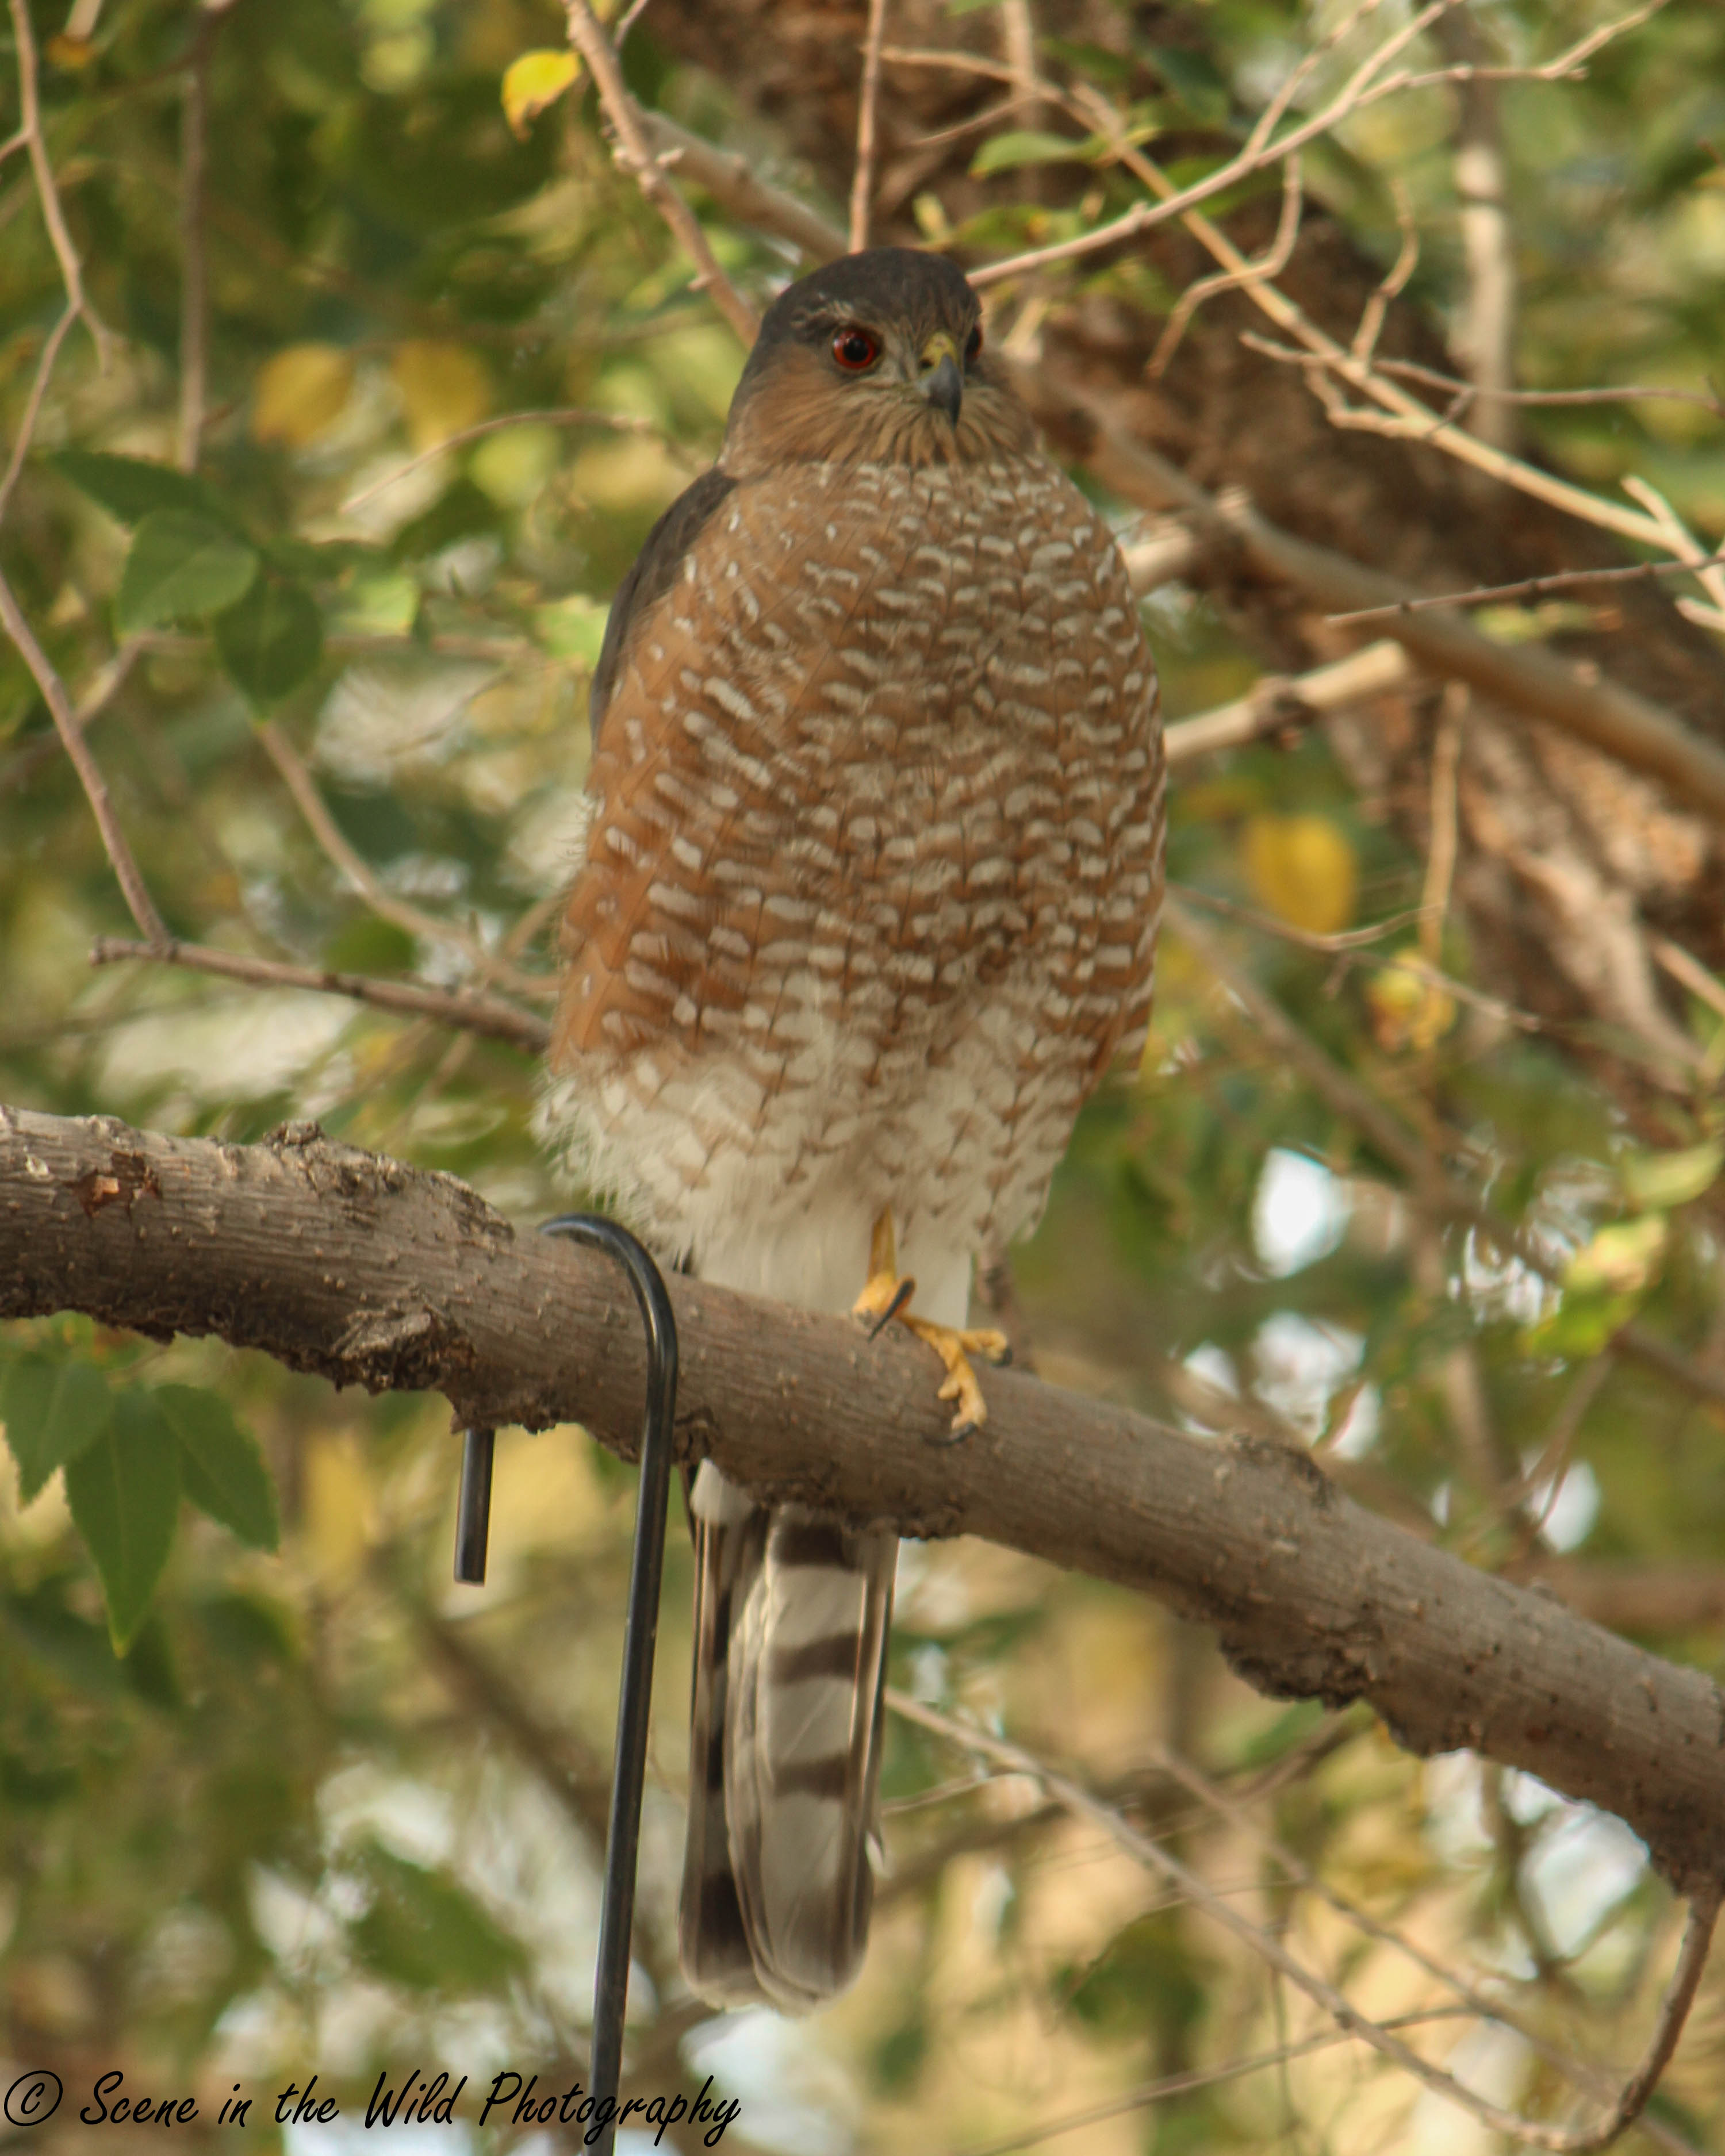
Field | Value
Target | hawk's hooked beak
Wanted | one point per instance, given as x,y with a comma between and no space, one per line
943,382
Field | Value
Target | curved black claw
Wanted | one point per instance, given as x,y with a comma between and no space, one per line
900,1296
965,1430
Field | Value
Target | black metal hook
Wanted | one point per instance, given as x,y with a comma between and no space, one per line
640,1631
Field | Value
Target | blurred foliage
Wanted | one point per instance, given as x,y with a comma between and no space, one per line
324,1810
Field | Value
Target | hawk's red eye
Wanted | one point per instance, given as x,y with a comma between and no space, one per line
855,348
973,345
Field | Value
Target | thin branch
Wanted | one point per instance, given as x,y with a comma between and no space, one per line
1689,972
359,873
1359,92
33,405
633,153
1409,370
868,117
1431,1184
1528,588
139,902
488,1016
1584,2142
1681,540
48,193
1195,2078
1394,282
1236,1812
1402,417
728,178
1629,727
1280,701
1269,265
1308,939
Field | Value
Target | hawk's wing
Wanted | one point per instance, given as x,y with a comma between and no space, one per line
653,573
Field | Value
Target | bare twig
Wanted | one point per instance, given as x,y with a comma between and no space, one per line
1237,1813
139,902
1409,370
1689,972
359,873
1530,588
488,1016
1431,1184
1562,2142
1269,265
33,405
868,121
1627,727
1681,540
1308,939
1195,2078
1278,701
103,689
635,153
47,191
728,178
1392,283
1361,88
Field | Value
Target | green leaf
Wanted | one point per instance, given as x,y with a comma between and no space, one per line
184,566
124,1491
1026,146
425,1931
271,640
222,1470
130,488
53,1411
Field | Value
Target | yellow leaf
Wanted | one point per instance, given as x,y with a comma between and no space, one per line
299,394
1303,870
532,82
1620,1259
1409,1008
443,388
67,51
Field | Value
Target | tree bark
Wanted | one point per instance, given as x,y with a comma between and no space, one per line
370,1272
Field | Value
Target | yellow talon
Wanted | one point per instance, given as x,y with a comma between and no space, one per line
887,1295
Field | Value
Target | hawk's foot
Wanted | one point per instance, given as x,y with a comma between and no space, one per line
887,1295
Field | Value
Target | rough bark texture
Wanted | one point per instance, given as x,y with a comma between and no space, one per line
369,1272
1568,862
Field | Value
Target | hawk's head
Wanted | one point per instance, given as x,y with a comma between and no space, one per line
879,358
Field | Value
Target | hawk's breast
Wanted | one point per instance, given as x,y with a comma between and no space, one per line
877,817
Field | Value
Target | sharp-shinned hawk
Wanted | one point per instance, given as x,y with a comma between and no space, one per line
867,904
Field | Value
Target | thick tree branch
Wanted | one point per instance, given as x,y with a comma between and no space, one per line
371,1273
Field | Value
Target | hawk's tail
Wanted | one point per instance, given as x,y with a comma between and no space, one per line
791,1617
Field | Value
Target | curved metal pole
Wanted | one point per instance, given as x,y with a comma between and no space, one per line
639,1637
